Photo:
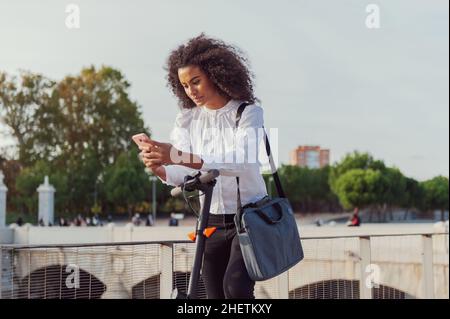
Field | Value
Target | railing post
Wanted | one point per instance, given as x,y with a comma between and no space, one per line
365,291
283,285
427,263
166,266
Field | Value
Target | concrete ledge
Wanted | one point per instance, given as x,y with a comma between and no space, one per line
6,235
34,235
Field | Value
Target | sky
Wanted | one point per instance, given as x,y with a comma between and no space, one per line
323,77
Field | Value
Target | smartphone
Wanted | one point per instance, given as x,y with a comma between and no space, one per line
141,139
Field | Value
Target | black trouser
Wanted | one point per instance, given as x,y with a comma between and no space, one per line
224,271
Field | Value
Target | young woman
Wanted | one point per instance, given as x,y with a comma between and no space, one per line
211,80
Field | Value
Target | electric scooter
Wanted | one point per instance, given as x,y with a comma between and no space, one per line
204,183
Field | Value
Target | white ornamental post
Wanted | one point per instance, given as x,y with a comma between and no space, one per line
46,202
3,191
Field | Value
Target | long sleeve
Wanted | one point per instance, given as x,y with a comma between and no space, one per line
180,139
246,141
175,174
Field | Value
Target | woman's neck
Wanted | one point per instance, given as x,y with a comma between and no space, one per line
217,103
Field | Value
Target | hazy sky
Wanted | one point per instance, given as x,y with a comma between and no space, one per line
323,77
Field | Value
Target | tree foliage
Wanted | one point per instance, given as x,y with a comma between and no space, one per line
77,126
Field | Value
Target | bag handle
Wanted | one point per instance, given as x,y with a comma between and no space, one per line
267,219
276,178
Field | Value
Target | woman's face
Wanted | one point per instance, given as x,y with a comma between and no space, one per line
197,85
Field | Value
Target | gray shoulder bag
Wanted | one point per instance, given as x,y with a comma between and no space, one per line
267,230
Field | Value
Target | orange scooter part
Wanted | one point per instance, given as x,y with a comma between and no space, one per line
207,232
192,236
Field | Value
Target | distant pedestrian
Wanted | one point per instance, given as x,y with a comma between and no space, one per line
78,220
62,222
19,221
136,220
173,221
355,220
149,221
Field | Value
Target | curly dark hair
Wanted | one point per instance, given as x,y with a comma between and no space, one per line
224,65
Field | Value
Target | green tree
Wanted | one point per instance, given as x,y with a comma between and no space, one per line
20,100
307,189
11,169
360,187
29,180
126,182
355,160
83,177
322,193
394,194
90,110
78,125
436,194
413,200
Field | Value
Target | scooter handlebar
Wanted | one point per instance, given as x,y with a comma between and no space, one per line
203,179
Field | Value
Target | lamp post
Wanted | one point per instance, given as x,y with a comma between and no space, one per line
99,179
96,209
153,180
3,191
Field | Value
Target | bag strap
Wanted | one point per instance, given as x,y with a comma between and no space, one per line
276,178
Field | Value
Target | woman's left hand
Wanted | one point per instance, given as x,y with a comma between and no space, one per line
158,153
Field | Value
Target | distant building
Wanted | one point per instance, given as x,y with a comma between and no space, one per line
310,156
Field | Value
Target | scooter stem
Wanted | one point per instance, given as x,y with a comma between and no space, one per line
207,189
